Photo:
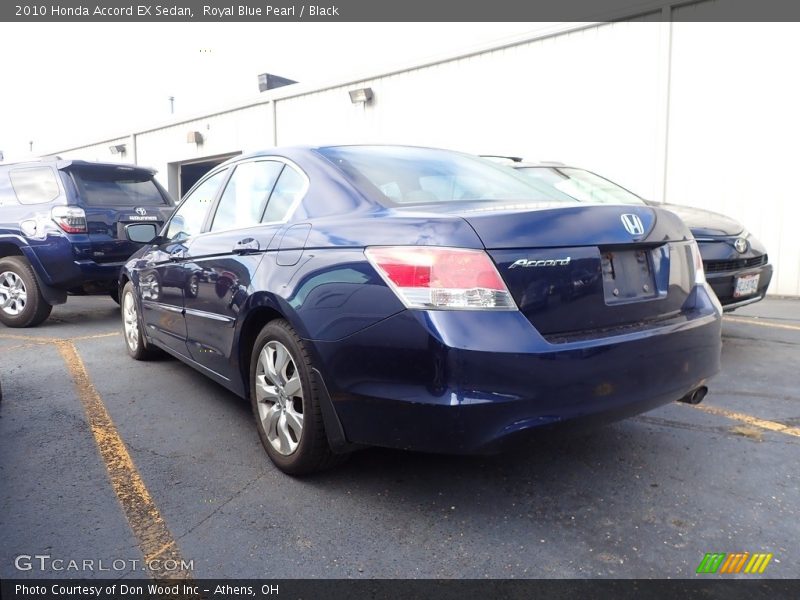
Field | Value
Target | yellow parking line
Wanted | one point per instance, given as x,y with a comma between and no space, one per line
95,336
152,534
45,340
20,346
27,338
748,419
751,321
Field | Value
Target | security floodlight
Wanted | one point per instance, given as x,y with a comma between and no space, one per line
361,96
117,149
268,81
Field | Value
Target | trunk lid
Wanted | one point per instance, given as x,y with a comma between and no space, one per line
581,270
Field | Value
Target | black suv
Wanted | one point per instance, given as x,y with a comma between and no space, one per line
62,230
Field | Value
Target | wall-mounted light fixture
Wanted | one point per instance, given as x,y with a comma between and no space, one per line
194,137
117,149
361,96
268,81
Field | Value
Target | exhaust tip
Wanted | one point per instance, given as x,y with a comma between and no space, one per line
695,396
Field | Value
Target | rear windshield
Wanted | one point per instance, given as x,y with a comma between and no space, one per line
399,175
117,187
582,185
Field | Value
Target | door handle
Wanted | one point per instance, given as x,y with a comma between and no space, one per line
246,246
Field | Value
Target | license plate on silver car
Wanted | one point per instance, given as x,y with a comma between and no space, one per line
746,285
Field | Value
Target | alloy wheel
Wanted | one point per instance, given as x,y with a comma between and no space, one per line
13,293
279,395
131,322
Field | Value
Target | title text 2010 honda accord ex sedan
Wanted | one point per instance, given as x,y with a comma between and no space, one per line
417,298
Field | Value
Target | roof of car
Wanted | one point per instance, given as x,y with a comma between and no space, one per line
61,163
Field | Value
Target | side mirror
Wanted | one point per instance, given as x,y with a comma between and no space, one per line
142,233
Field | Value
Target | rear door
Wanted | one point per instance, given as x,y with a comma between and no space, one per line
253,208
113,196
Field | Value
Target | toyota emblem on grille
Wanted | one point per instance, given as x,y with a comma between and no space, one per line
632,223
141,211
741,245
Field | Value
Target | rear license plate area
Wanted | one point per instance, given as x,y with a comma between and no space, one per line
123,223
627,275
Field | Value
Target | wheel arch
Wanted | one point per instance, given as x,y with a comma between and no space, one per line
124,278
256,319
254,322
9,249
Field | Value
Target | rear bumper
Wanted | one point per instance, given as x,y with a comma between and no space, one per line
99,273
468,382
723,285
59,263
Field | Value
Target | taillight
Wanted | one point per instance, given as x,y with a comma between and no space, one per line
70,218
441,278
699,272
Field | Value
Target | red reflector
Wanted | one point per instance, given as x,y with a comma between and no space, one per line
72,229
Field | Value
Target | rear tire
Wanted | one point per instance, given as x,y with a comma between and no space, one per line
132,327
192,286
285,401
21,300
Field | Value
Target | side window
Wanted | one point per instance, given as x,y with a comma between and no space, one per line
290,187
245,196
7,196
188,219
34,186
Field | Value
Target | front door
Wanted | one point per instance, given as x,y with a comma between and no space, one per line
163,282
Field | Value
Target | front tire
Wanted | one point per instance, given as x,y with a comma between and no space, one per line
21,300
285,401
132,327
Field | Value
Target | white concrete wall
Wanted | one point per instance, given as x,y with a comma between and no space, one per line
244,130
589,97
696,113
99,151
734,135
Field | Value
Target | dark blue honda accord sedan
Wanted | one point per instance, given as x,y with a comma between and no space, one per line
417,298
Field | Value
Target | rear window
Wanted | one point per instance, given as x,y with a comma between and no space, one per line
117,187
582,185
398,175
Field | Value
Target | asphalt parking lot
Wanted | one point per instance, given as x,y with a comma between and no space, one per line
106,459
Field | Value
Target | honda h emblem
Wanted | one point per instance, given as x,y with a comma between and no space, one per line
141,211
633,224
